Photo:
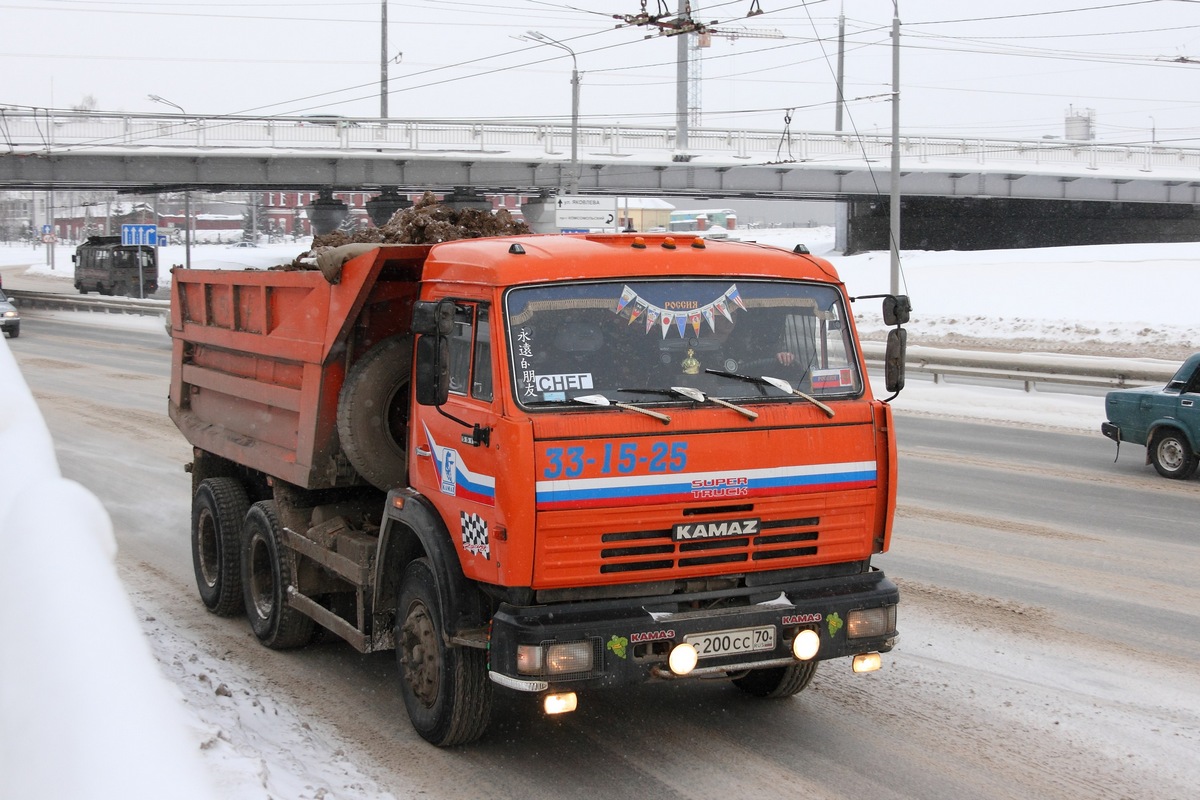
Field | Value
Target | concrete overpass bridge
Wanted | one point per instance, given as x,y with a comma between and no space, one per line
958,192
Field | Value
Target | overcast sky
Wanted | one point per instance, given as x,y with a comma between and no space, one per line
977,69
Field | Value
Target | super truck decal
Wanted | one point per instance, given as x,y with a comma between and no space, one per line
628,490
457,479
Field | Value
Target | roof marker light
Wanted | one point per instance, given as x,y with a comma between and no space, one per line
516,249
698,243
639,243
669,243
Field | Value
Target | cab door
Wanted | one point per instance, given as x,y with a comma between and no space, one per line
455,460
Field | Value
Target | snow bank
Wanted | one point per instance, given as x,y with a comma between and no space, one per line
84,710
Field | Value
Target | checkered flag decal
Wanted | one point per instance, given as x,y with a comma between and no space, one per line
475,534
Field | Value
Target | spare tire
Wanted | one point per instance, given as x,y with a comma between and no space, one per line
372,415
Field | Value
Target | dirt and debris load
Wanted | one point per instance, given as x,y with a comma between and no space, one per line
429,221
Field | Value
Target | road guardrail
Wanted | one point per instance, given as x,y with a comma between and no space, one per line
1029,369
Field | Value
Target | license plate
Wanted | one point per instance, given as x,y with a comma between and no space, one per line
741,640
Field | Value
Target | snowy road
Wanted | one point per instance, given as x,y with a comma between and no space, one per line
1050,628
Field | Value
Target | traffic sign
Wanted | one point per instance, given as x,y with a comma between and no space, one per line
139,234
583,211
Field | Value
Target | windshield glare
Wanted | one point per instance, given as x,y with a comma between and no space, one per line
567,340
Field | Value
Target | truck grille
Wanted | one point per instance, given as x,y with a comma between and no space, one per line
647,550
583,548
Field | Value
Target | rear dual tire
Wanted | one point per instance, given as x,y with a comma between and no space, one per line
218,510
267,573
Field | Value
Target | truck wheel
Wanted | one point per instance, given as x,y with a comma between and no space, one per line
266,576
80,288
373,407
218,509
446,689
777,681
1172,455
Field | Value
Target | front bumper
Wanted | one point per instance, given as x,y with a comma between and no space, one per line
630,640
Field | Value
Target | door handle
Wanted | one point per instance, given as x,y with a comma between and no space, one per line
421,451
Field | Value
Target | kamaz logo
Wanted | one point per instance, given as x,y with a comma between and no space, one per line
685,532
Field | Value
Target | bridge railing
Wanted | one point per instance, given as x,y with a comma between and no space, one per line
26,131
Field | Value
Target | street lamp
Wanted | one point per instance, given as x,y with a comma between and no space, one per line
155,98
573,178
187,195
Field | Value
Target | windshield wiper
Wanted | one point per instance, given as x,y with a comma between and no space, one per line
601,400
697,396
778,383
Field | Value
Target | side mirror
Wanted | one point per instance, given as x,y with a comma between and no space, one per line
893,359
433,318
896,309
432,374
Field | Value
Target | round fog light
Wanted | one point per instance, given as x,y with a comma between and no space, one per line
683,659
806,644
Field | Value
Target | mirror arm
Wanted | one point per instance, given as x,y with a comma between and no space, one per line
479,435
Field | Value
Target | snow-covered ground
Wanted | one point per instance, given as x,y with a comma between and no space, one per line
1084,299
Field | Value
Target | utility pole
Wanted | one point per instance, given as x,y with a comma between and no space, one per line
841,69
894,200
383,61
681,83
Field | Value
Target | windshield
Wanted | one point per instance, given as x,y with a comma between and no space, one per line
719,336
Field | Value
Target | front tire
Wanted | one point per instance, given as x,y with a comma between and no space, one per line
218,508
1172,455
266,576
775,682
446,689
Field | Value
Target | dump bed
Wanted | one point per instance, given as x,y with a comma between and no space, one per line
259,356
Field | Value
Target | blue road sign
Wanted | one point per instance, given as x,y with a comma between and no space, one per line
139,234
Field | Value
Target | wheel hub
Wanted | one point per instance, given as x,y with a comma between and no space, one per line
207,549
262,579
1170,454
422,662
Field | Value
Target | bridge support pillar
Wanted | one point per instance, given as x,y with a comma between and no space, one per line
383,206
326,212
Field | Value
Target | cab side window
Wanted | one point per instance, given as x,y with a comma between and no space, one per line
481,382
471,352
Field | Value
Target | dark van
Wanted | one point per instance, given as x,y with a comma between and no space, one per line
104,265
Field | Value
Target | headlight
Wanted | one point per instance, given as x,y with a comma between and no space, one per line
562,659
559,658
870,622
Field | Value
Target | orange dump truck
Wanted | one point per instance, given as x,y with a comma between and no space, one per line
542,463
